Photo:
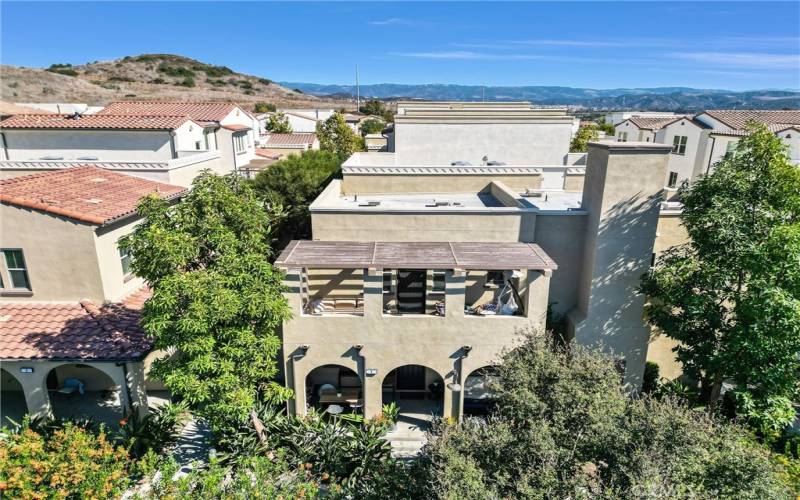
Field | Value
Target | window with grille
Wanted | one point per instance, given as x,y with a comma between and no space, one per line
679,144
673,179
17,271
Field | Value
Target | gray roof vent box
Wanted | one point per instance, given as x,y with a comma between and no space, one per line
530,193
87,158
495,163
461,163
369,204
444,203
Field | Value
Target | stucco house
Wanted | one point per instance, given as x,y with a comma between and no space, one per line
422,270
305,120
69,315
616,117
293,143
165,148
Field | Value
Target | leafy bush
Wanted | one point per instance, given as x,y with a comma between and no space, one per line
565,428
156,431
217,83
265,81
62,69
176,71
120,79
159,81
372,126
651,377
264,107
186,82
71,462
216,71
278,123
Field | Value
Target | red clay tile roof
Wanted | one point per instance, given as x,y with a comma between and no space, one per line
202,111
87,193
290,140
654,122
269,153
74,331
236,128
102,122
736,119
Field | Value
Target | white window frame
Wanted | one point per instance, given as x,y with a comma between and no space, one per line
438,274
239,143
679,143
622,137
7,277
125,254
672,182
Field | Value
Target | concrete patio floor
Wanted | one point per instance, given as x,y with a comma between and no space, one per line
408,436
102,406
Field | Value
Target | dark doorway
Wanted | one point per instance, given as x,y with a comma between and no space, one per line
410,381
411,291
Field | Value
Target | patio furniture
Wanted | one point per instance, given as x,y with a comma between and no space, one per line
335,410
345,396
72,385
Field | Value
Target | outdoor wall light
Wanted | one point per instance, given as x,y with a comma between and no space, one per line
304,347
358,347
454,387
26,369
466,349
371,372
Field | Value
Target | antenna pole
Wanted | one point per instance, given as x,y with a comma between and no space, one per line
358,92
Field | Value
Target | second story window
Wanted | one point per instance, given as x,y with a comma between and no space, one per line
238,143
679,144
730,148
673,180
125,259
622,137
16,269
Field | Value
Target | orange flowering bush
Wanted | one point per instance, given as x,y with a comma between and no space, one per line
69,463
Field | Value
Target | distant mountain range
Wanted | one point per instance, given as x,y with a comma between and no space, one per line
661,98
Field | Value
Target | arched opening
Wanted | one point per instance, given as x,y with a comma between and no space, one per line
479,396
335,389
81,391
418,392
12,399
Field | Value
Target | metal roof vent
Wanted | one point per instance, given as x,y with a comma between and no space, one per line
460,163
370,204
495,163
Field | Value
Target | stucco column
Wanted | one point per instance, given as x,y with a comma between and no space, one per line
373,294
138,390
538,294
454,293
299,373
373,395
292,282
33,386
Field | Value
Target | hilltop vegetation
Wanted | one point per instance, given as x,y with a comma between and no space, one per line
146,76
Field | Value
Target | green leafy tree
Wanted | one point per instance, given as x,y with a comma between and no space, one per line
603,126
293,183
731,296
278,123
582,138
372,126
264,107
216,299
374,107
336,136
564,428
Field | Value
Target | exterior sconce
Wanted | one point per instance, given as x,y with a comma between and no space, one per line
371,372
358,347
304,347
466,350
454,387
26,369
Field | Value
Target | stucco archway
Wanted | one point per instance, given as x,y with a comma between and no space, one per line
417,390
12,398
478,397
79,390
334,384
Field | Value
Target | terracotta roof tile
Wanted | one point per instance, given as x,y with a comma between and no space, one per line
94,122
86,193
236,128
74,331
202,111
654,122
289,140
737,119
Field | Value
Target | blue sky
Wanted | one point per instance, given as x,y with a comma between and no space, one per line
731,45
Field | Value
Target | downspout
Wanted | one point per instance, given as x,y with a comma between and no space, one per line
172,144
127,387
710,152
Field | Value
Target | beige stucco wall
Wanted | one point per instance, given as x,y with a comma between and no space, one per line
106,145
422,226
391,341
670,232
623,195
358,184
59,253
115,285
573,182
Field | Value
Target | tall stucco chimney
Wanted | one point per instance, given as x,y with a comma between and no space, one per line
622,194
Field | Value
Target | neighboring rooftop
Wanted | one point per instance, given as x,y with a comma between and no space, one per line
86,193
293,140
10,108
737,119
96,121
655,122
425,255
202,111
78,331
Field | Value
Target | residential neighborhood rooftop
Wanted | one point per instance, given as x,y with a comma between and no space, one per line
655,122
204,111
86,193
425,255
737,119
77,331
302,139
106,121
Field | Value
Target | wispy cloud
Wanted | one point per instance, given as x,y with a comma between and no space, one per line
396,21
467,55
568,43
741,59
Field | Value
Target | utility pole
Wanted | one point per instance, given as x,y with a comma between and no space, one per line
358,92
